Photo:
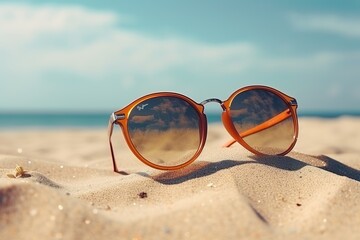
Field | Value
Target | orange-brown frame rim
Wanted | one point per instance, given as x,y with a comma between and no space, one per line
123,122
226,119
290,102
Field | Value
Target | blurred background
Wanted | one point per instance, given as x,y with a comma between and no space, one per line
82,59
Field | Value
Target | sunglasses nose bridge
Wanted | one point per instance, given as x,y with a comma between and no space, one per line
216,100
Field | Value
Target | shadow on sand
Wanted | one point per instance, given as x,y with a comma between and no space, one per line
203,169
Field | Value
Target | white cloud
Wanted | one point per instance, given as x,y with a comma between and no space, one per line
318,61
328,23
51,51
89,43
27,19
39,40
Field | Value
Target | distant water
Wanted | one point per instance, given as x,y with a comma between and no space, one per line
98,120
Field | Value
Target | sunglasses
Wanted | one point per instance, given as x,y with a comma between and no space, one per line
167,130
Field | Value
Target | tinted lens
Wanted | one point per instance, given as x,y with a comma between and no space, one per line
264,121
165,130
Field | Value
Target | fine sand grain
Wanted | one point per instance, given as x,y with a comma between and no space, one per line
69,190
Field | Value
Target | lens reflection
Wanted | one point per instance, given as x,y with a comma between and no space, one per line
165,130
263,120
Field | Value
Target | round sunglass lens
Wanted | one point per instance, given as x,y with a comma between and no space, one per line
165,130
263,120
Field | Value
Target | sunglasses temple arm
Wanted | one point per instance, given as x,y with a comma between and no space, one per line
265,125
110,131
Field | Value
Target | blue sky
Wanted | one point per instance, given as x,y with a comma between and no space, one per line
100,55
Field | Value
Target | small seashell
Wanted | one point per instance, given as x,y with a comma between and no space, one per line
19,172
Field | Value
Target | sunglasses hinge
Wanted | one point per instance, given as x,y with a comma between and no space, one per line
293,102
116,117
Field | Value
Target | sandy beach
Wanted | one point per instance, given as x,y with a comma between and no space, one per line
69,191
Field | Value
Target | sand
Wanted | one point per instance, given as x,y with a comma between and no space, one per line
69,190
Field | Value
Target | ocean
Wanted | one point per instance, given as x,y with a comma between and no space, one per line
98,120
